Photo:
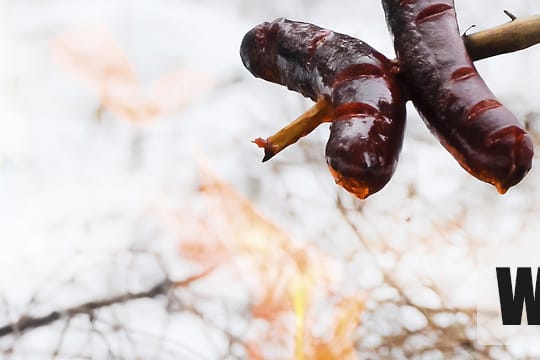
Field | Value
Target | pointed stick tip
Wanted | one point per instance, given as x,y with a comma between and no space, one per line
268,154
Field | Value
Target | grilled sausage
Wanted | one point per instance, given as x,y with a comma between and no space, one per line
453,100
367,129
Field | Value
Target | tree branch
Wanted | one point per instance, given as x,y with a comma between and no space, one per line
30,322
516,35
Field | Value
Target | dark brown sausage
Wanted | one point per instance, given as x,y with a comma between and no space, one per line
366,134
455,103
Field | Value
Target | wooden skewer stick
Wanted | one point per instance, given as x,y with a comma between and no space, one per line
321,112
515,35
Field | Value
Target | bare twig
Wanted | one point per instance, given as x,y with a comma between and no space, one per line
446,339
30,322
516,35
65,329
510,15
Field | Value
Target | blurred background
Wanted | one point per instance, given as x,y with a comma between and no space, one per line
138,222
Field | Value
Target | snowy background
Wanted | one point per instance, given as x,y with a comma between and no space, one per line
96,195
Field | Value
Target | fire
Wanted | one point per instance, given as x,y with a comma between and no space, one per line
93,55
287,280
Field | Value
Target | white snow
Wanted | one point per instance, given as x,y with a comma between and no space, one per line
77,189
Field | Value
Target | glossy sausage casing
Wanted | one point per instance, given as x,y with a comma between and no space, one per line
366,133
455,103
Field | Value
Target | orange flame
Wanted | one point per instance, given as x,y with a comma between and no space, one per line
286,279
94,56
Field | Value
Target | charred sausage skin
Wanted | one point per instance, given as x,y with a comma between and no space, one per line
367,129
453,100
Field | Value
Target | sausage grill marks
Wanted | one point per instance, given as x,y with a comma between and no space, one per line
453,100
368,116
361,93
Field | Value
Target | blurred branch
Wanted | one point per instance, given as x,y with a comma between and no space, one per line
446,339
516,35
88,308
